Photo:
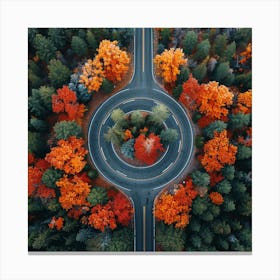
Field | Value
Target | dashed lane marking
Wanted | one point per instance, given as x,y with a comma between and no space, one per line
180,145
163,171
121,173
102,153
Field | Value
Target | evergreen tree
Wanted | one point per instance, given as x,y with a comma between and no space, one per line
206,235
243,152
189,42
51,176
160,49
220,227
200,71
220,44
199,205
36,144
224,187
92,174
200,179
176,92
230,51
97,195
245,205
183,76
53,205
239,121
223,73
207,216
165,36
168,135
65,129
194,225
228,172
107,86
122,240
222,244
36,105
45,48
31,34
38,125
137,119
214,209
57,36
228,205
203,49
243,81
196,242
218,126
159,114
79,46
99,242
58,73
34,74
115,135
46,93
85,234
91,40
127,148
117,115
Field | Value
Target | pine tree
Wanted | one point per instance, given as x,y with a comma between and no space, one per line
243,152
199,141
228,172
199,205
230,51
243,81
122,240
58,37
53,205
92,174
200,179
46,93
115,135
220,44
45,48
36,144
228,205
91,41
97,195
200,71
183,76
218,126
189,42
117,115
50,177
203,49
168,136
137,119
85,234
239,121
196,242
79,46
59,74
38,125
160,48
220,227
100,242
65,129
194,225
107,86
36,105
207,235
34,75
223,73
127,148
159,114
165,36
224,187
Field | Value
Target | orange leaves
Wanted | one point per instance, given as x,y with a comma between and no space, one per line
110,62
168,63
216,198
74,192
218,152
65,103
175,208
147,149
56,223
102,217
247,54
213,100
244,102
68,155
127,135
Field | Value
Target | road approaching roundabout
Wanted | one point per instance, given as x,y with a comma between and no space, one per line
141,183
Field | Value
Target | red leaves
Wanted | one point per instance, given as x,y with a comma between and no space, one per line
148,149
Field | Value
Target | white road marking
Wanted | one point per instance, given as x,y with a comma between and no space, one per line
143,49
163,171
175,119
106,118
121,173
128,101
102,153
180,144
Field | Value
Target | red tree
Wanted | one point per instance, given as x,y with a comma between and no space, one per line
147,149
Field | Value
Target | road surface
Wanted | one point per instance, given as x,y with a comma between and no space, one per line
141,184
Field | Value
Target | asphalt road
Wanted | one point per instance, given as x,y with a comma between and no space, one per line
141,184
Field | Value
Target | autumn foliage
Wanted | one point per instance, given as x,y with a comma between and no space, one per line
168,64
216,198
244,102
246,55
175,208
147,149
65,103
218,152
56,223
110,63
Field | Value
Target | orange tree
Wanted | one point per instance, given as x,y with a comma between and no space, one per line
168,64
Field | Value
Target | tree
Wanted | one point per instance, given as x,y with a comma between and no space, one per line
91,40
148,149
200,71
224,187
220,44
107,86
203,49
230,51
244,102
97,195
189,42
218,152
58,37
218,126
216,198
68,155
160,113
243,81
115,135
127,148
200,179
239,121
38,125
117,115
168,135
50,176
58,73
183,76
176,92
73,192
223,74
165,36
65,129
122,240
79,46
137,118
228,172
45,48
243,152
36,144
168,64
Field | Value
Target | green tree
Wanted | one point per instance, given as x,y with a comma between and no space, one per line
117,115
97,195
36,144
59,74
239,121
160,113
46,93
228,205
200,71
224,187
223,73
199,205
183,76
218,126
92,174
189,42
200,179
57,36
137,119
65,129
34,74
127,148
38,125
36,105
206,235
199,141
91,40
107,86
176,92
220,44
230,51
122,240
160,49
79,46
168,135
203,49
115,135
51,176
228,172
165,36
243,152
221,227
45,48
243,81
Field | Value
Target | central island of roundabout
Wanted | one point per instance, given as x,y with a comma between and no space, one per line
141,183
